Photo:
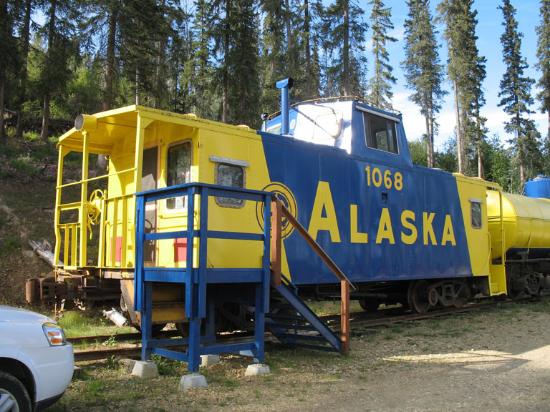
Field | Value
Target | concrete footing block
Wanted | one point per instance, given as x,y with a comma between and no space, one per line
257,369
209,360
128,364
145,369
192,381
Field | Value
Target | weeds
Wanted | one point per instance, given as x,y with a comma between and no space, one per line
167,367
9,244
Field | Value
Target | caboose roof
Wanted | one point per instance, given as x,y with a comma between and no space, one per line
113,125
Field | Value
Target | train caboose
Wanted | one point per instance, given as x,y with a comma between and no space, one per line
401,233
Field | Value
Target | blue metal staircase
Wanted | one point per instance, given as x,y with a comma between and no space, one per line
257,286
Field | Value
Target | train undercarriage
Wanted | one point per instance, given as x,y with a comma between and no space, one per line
92,289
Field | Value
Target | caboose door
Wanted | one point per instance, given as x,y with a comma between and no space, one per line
149,181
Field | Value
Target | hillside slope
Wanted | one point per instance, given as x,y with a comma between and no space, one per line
27,196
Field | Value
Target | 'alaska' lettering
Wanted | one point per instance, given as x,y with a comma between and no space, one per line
324,219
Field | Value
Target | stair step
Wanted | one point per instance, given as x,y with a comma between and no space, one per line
290,326
306,320
298,336
288,318
317,347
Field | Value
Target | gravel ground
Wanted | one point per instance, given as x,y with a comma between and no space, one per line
495,360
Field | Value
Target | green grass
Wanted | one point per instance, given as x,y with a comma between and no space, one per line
77,323
9,244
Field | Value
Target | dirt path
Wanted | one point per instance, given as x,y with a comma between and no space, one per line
497,360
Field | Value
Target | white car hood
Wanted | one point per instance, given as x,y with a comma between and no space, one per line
18,315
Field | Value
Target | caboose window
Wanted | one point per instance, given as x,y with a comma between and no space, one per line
380,133
178,171
476,214
233,176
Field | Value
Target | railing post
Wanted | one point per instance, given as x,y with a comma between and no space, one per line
276,240
344,316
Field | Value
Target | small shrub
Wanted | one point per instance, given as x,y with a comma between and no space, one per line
9,244
167,367
23,165
31,136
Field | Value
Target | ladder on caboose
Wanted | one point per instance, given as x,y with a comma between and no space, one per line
198,278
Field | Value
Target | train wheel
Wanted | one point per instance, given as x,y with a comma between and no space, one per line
369,305
418,296
463,295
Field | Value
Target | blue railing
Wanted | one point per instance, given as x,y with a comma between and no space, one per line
196,279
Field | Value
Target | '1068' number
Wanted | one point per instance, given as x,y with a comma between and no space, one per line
376,177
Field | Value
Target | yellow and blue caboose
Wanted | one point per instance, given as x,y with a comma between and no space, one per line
341,167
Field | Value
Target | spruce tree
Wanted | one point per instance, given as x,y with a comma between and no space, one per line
143,31
423,71
309,48
24,43
380,93
61,46
244,88
515,94
466,70
235,36
543,63
342,32
476,123
274,60
6,51
201,65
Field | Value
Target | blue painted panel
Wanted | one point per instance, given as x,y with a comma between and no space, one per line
300,166
538,187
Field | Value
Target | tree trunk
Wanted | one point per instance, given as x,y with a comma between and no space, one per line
480,171
137,87
345,51
45,116
49,63
289,38
160,86
459,141
479,161
225,75
110,69
521,175
306,37
25,39
309,91
2,89
429,141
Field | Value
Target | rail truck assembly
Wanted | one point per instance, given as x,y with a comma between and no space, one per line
192,217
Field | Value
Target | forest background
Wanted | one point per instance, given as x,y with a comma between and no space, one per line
472,78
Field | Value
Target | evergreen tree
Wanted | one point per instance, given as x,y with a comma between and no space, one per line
342,33
24,43
476,124
423,71
380,93
101,35
113,11
543,63
202,70
235,36
7,49
62,44
515,94
311,73
144,30
466,70
274,58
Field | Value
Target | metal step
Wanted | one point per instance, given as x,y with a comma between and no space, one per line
307,319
